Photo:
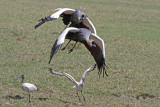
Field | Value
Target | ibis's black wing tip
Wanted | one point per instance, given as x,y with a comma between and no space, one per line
37,88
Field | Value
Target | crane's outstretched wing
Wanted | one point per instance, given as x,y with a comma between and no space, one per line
60,11
89,25
64,74
55,72
85,72
98,53
56,15
60,40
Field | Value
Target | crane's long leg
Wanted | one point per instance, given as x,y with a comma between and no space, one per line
29,97
83,96
66,45
79,97
72,48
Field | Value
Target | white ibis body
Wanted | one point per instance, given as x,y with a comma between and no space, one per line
78,85
28,87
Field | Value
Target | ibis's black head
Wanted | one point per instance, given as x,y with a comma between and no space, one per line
22,76
78,16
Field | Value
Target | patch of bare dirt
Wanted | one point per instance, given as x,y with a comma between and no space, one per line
50,91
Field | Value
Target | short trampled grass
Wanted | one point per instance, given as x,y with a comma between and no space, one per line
130,30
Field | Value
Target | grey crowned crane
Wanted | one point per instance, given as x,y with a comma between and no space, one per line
91,41
76,17
28,87
78,85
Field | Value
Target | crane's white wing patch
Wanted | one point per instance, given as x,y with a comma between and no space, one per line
66,75
98,41
89,24
60,40
57,14
88,70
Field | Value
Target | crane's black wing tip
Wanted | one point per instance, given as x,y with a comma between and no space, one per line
41,21
36,27
54,50
102,69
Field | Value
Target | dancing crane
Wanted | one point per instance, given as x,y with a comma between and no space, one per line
78,85
77,17
91,41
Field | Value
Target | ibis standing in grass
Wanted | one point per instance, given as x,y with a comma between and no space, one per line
78,85
28,87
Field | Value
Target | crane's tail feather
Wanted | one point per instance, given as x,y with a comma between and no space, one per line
102,69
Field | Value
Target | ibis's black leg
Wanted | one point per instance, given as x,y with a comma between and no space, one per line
66,45
79,97
29,97
72,48
83,97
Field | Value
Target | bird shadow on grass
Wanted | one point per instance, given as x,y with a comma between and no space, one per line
43,99
63,101
138,97
115,95
68,103
16,97
144,96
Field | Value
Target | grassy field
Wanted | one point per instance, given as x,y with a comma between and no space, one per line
130,30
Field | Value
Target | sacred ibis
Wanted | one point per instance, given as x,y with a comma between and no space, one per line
78,85
91,41
28,87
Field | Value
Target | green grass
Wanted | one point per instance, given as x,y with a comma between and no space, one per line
130,30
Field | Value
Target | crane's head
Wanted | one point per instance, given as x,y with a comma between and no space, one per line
78,16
